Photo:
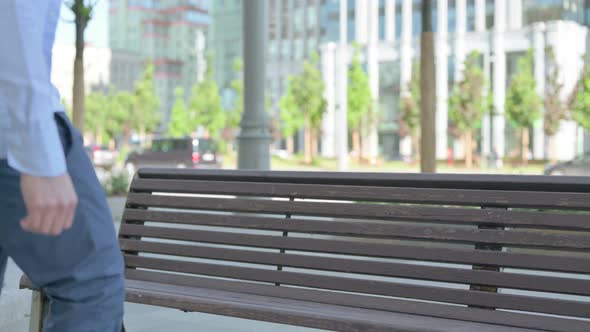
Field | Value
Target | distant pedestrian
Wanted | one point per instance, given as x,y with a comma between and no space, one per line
55,222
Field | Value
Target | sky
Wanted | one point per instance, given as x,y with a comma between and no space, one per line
97,33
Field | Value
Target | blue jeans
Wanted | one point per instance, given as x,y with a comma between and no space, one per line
81,271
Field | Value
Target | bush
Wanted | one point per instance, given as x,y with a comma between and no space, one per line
117,184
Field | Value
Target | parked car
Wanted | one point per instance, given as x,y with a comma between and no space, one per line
101,156
577,167
176,152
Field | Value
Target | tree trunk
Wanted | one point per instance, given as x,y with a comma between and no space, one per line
290,145
308,152
314,144
356,144
365,139
468,141
415,148
427,92
552,149
78,92
525,145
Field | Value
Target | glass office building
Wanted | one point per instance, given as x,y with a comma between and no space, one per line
170,34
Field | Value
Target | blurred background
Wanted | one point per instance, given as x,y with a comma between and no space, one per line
162,83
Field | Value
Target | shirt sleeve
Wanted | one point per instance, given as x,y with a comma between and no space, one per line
33,141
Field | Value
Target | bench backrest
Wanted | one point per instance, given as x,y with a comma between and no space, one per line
396,242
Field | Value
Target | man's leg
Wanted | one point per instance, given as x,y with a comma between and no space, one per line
81,270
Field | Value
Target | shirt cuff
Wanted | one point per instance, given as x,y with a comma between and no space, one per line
37,150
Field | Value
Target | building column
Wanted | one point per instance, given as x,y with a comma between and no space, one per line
406,65
390,21
480,15
406,46
342,112
514,14
499,83
442,80
460,31
480,27
373,71
361,25
539,69
328,52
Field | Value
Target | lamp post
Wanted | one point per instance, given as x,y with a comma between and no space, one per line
254,138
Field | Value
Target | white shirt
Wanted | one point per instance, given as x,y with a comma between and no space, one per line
29,137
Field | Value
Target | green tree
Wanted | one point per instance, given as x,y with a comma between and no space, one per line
146,104
234,114
555,108
581,100
468,104
82,11
410,111
96,114
303,104
523,104
182,120
206,104
359,100
108,116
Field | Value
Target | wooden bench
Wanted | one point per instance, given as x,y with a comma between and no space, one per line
362,252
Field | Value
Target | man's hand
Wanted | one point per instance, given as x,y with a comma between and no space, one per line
51,203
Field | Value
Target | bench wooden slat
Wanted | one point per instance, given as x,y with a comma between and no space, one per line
385,269
530,183
521,199
375,287
522,320
373,211
512,237
446,255
287,311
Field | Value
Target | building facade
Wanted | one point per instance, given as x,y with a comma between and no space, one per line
388,33
170,34
500,31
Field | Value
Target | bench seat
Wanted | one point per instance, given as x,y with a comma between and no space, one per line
301,313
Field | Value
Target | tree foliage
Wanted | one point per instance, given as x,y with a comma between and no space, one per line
108,116
523,104
359,92
237,86
581,100
555,108
303,104
468,104
182,120
146,102
410,106
206,103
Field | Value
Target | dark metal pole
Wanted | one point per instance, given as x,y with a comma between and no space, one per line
427,92
254,138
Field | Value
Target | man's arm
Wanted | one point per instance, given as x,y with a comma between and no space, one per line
33,143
